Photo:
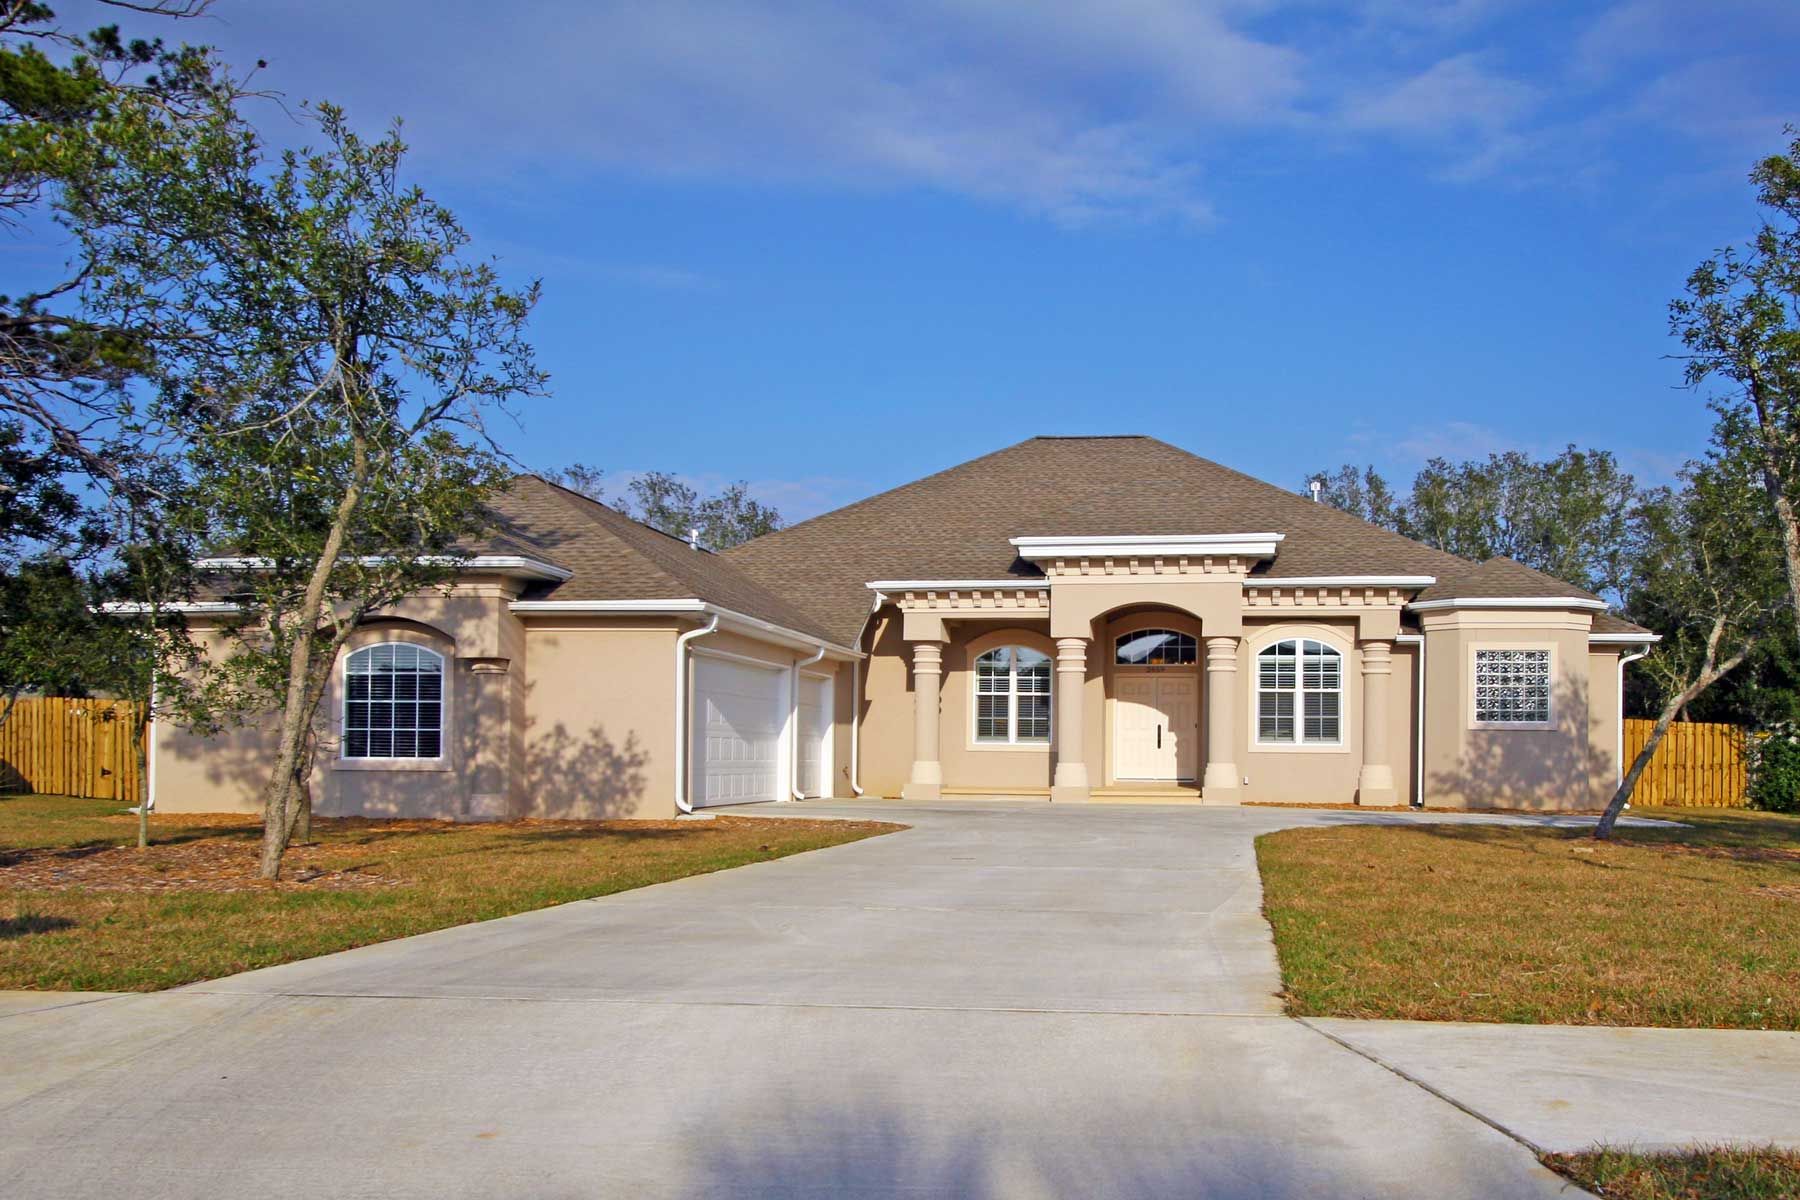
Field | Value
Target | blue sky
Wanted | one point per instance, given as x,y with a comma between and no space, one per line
831,247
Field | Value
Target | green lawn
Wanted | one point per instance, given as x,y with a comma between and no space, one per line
1717,1173
1695,927
82,908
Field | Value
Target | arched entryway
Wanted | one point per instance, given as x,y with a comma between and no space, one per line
1154,698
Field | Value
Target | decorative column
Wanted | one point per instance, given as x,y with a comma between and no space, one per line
1071,779
484,766
1375,782
1220,780
927,782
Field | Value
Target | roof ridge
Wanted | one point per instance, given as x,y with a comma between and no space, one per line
584,498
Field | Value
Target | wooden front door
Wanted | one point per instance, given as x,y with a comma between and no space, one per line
1155,727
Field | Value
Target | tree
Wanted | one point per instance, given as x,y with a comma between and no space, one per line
1569,516
1360,492
79,462
580,477
667,502
338,358
1740,322
1709,578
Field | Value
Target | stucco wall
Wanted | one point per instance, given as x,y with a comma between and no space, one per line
1548,768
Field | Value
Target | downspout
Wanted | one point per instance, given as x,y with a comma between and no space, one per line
856,698
681,711
794,719
1418,789
855,730
1619,733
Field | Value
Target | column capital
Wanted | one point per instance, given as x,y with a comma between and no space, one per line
1071,654
1377,657
928,658
1221,653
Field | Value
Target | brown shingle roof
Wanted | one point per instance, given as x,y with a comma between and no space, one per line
616,558
956,524
1605,622
1501,577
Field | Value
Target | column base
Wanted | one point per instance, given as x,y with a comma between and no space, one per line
1375,788
922,792
1069,793
1219,777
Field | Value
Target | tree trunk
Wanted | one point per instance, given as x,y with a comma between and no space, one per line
1708,675
1775,482
1628,785
279,795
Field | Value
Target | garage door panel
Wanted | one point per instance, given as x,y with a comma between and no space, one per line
739,718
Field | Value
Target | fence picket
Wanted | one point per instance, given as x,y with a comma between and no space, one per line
70,747
1700,764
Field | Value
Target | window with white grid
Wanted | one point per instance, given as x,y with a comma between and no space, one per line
1299,694
394,702
1512,687
1012,696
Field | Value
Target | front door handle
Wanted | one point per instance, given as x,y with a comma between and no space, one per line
1159,737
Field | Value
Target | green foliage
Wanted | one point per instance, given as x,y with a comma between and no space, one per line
1570,516
667,502
1774,764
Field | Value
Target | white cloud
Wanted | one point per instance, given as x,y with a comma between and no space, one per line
1075,110
1452,97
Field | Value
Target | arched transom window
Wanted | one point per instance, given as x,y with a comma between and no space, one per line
1299,694
1012,696
1154,648
394,702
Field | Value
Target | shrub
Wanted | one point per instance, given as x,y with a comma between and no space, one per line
1775,770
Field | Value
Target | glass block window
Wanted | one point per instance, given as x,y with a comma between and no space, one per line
393,702
1299,694
1512,687
1155,648
1012,696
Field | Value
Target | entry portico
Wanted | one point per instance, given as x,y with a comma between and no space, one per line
1126,615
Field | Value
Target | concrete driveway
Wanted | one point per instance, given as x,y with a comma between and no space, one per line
1008,1000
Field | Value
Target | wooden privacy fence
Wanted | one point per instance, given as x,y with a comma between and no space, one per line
1698,765
67,747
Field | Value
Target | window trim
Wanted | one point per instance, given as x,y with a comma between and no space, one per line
1119,639
1476,649
1013,742
1300,744
341,760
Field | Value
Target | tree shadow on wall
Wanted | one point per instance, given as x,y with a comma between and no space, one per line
1532,769
582,777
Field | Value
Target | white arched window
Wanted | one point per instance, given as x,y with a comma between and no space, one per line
394,702
1012,696
1154,648
1299,694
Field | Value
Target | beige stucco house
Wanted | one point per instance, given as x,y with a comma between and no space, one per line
1070,619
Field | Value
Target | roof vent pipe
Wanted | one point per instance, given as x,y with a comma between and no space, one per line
1317,486
694,536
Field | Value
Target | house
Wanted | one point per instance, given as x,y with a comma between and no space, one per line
1069,619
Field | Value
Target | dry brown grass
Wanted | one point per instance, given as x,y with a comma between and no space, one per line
1704,1173
81,907
1694,927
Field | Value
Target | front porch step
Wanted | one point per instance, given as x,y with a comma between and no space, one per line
1177,794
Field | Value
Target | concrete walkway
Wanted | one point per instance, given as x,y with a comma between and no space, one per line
1006,1000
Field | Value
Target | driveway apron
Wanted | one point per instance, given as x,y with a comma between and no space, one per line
1006,1000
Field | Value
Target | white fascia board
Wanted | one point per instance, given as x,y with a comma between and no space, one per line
1190,545
728,618
135,608
956,585
1399,581
1409,639
1624,639
1507,602
506,564
612,608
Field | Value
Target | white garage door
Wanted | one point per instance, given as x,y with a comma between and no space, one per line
815,734
739,710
